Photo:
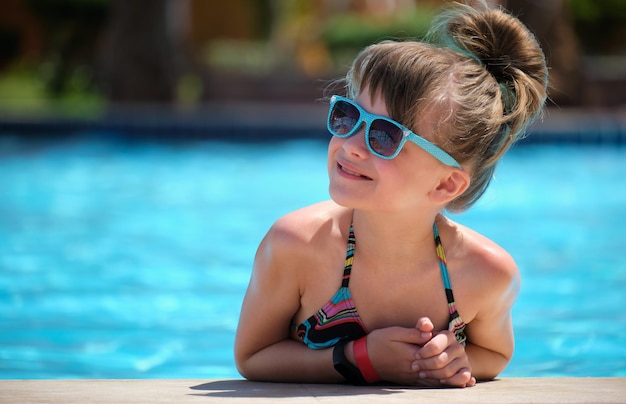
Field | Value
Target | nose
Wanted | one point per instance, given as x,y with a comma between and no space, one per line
355,144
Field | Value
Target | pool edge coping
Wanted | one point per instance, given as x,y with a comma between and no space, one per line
510,390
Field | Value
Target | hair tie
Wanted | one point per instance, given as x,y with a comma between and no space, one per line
498,68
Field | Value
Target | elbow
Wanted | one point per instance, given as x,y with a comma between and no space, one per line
245,367
241,368
486,364
245,371
254,376
246,374
242,364
496,366
486,377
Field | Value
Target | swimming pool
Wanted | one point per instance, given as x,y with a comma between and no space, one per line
130,259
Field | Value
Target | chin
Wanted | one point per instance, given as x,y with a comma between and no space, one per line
345,198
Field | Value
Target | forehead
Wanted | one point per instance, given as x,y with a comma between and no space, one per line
372,103
424,118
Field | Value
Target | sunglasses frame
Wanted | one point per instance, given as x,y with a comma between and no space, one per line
407,134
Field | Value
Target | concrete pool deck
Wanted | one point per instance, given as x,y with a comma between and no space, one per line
505,390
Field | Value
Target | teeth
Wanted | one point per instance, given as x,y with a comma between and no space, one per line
351,172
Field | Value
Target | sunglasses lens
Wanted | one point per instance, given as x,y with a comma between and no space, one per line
342,119
384,137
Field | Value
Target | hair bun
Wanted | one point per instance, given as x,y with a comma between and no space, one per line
497,40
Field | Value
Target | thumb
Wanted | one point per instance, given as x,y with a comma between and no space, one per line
425,326
413,336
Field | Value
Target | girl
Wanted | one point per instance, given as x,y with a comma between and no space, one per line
377,285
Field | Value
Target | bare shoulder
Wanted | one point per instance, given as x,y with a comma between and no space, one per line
488,274
282,274
493,260
291,247
300,235
305,226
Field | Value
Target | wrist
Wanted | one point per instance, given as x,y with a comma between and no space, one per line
346,368
349,352
363,362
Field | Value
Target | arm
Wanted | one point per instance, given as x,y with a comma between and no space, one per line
490,341
490,334
263,348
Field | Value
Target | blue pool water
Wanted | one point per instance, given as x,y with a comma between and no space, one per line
130,260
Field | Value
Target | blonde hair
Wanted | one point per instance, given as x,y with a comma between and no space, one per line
481,66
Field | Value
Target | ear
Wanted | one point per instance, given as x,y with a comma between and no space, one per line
450,186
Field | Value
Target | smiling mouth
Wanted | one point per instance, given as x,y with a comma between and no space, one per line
345,170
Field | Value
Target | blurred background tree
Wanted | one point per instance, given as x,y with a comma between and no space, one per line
143,51
47,53
83,55
70,33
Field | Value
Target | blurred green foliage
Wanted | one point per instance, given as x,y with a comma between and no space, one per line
66,76
63,81
72,29
346,34
598,10
24,90
352,31
600,25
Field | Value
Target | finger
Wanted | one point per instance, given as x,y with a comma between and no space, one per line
444,372
462,378
436,345
440,361
425,325
409,335
427,366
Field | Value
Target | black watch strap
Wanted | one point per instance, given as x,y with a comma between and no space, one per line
342,365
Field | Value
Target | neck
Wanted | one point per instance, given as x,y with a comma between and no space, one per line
394,238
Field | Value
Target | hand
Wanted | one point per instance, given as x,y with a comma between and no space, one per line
393,350
442,358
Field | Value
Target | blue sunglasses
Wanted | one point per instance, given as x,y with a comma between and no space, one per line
384,136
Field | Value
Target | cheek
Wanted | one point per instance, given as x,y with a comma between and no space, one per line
333,146
407,179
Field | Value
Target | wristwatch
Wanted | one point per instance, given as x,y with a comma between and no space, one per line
342,365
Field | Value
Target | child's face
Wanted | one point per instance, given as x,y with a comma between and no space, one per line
362,180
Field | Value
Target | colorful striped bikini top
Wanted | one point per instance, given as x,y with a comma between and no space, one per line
339,320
